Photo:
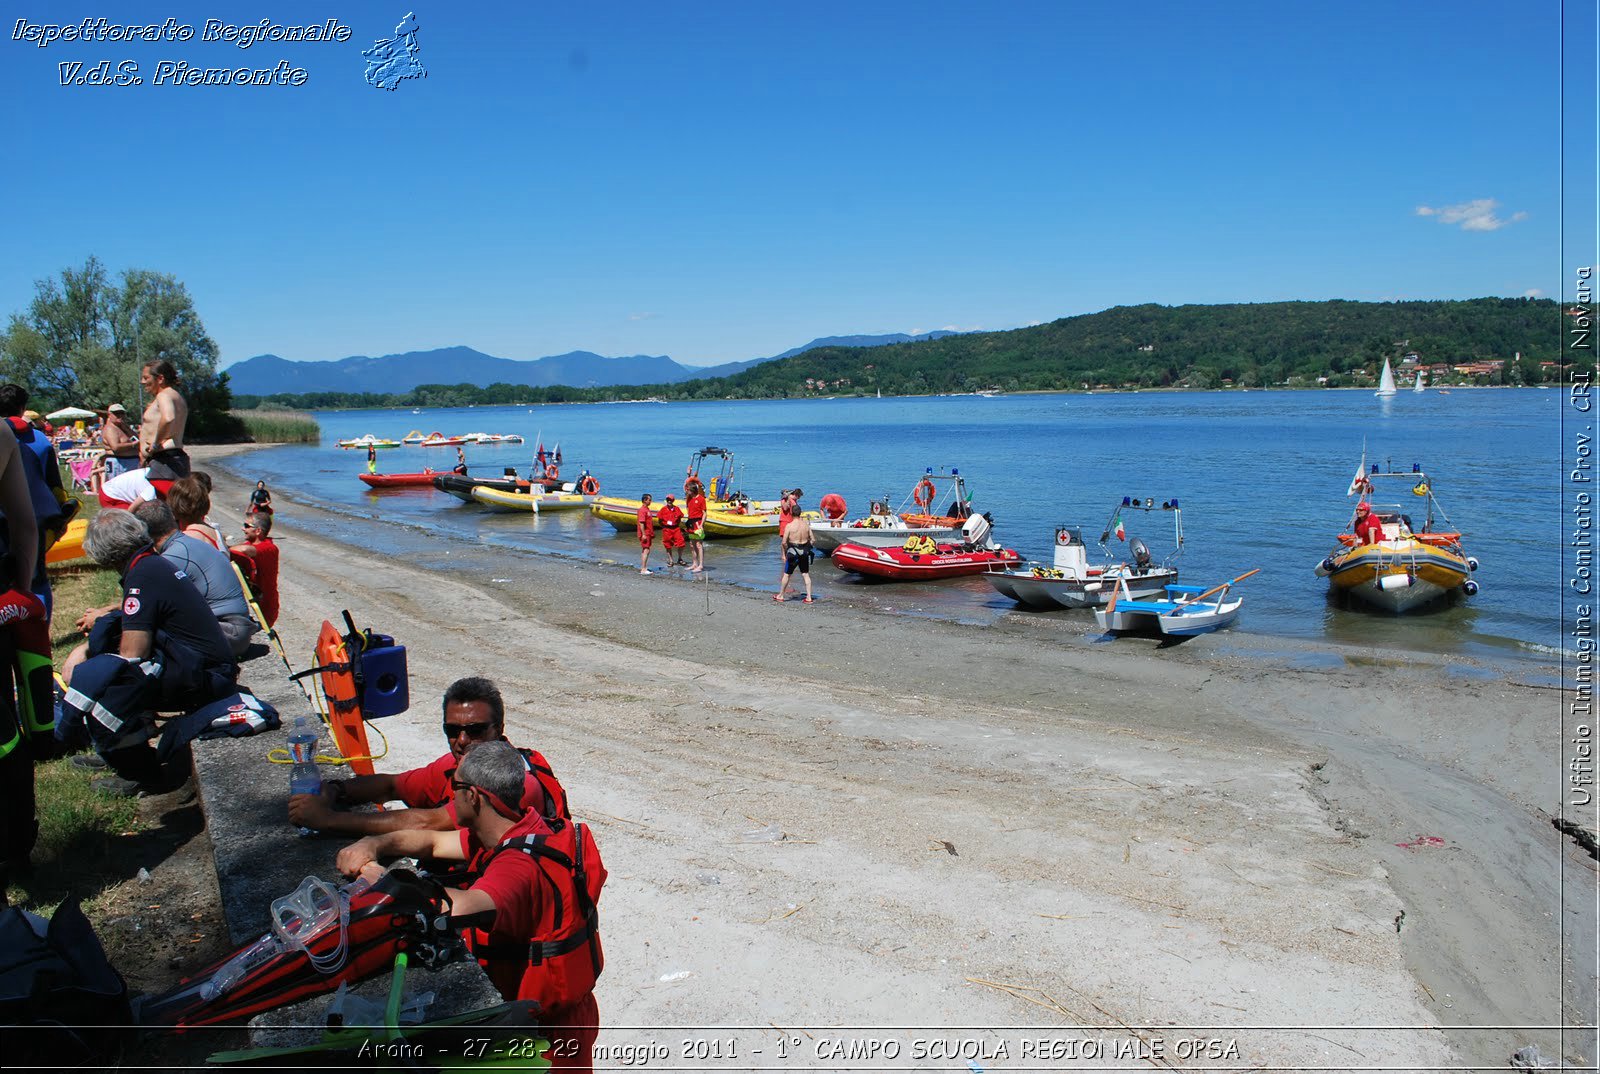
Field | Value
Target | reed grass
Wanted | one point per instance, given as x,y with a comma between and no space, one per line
280,426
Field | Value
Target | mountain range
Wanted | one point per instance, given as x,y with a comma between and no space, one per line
269,374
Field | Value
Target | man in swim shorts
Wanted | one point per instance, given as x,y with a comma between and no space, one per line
670,518
161,431
646,526
797,554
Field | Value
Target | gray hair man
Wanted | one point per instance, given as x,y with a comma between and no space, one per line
163,624
208,568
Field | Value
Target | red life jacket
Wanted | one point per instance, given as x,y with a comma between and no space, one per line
564,958
554,807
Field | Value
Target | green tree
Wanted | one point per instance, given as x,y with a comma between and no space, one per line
83,340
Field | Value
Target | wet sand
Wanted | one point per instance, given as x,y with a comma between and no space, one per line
1164,844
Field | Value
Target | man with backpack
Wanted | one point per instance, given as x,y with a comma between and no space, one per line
529,911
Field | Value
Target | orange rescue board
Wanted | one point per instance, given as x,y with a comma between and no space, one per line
344,706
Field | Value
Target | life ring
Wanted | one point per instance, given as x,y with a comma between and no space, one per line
552,472
924,493
589,486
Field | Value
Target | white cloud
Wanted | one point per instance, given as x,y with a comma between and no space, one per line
1533,292
1477,215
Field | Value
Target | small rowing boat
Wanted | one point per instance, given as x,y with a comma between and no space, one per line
1188,610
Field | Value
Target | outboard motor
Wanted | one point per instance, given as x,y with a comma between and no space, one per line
1141,554
975,530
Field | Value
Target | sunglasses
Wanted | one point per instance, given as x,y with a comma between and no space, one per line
471,730
457,786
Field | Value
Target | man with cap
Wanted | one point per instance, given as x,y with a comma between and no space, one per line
1369,527
670,518
122,447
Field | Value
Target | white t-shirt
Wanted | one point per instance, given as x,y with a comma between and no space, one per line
130,487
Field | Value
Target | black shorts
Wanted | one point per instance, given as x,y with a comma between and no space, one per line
797,555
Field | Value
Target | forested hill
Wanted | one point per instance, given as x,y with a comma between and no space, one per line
1264,345
1158,346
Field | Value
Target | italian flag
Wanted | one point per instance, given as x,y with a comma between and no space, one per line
1118,529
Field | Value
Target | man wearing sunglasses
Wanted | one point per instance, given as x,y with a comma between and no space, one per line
257,556
529,915
474,712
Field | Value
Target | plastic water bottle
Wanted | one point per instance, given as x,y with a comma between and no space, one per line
304,776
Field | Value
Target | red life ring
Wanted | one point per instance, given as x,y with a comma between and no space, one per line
552,472
924,493
590,486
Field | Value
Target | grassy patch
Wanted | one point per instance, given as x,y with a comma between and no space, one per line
280,426
77,587
79,834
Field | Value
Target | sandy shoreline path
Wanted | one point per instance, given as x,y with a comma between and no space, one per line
821,817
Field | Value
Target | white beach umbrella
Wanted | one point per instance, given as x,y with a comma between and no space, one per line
71,413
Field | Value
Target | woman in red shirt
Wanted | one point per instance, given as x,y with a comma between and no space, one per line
695,525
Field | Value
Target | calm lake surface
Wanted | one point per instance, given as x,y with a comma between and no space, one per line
1261,477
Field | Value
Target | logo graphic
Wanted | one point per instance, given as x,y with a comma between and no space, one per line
130,606
392,60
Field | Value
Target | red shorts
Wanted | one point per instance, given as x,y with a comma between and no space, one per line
672,538
646,540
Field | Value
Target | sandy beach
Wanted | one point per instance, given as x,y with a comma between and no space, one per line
835,833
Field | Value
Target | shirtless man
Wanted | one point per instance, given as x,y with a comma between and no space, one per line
797,552
161,433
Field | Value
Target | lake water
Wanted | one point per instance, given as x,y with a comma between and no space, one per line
1261,477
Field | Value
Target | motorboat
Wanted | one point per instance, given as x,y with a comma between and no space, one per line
369,441
1185,611
537,502
883,528
922,558
729,512
421,480
461,485
1399,567
1073,581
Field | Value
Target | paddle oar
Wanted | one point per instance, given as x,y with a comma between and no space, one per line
1224,585
1116,591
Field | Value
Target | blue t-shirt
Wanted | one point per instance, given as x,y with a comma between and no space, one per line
211,572
39,463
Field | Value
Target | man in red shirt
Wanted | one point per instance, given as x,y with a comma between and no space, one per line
474,712
646,525
1369,527
670,517
511,914
257,556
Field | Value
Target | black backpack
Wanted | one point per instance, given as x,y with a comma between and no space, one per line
58,992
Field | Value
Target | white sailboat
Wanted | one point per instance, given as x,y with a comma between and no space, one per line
1386,382
1422,381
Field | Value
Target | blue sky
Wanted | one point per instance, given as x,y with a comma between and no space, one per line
718,181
